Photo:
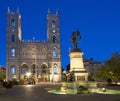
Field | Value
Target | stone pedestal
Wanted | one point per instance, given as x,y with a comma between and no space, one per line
77,66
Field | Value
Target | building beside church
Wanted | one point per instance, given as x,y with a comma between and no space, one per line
33,58
92,66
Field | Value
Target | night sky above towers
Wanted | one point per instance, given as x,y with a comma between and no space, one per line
98,21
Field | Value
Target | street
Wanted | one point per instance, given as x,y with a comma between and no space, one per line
39,93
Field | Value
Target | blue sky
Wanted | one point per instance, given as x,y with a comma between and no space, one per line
98,21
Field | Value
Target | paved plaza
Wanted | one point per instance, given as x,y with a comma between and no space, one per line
39,93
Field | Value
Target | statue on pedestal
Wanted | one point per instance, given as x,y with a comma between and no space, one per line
76,59
75,38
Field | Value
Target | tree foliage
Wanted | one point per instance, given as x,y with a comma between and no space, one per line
110,69
2,76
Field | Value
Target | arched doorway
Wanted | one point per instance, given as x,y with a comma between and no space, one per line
45,72
34,71
24,71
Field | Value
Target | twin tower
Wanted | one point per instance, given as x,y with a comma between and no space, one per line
33,59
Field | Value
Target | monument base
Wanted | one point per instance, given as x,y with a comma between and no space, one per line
81,75
77,66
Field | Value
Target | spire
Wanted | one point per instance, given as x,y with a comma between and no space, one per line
8,9
48,11
57,12
18,10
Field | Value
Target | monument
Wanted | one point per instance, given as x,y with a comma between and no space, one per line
76,60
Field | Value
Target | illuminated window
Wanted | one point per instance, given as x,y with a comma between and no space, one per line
12,52
54,52
55,69
53,23
13,38
13,22
54,39
12,70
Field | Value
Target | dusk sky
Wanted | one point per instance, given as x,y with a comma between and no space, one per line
98,21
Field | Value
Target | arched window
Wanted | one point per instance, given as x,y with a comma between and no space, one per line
55,69
13,22
54,39
12,70
54,52
13,52
13,38
53,23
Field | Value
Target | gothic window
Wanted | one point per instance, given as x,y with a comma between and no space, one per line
55,69
43,70
12,70
54,52
13,38
54,39
53,23
13,52
13,22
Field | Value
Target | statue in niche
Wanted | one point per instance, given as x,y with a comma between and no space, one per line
75,38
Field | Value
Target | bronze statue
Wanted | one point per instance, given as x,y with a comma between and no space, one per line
75,38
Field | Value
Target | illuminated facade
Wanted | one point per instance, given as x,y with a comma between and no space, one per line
42,59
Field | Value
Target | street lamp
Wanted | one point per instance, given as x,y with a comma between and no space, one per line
28,74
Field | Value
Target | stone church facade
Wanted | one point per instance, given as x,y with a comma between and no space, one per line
32,58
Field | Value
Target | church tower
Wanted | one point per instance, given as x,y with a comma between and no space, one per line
13,42
53,36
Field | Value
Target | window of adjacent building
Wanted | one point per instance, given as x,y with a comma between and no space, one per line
13,52
53,23
13,38
13,22
54,52
55,69
12,70
54,39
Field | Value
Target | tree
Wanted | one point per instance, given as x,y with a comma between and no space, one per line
2,76
110,69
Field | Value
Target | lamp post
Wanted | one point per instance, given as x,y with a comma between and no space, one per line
28,74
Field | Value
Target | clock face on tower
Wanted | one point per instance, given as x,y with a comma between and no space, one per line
53,31
13,30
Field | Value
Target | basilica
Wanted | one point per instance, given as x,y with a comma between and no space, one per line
32,58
